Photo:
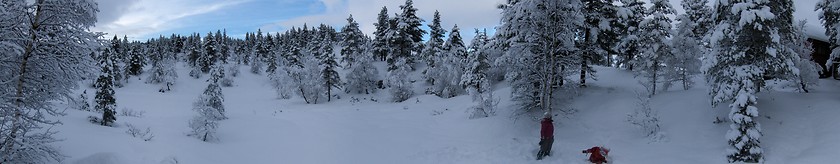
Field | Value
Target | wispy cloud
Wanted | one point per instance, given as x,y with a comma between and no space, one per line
140,18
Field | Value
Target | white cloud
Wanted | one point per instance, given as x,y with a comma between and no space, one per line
139,18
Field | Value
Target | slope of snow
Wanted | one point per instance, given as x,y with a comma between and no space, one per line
798,127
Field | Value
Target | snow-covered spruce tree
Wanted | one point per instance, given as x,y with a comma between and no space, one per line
46,49
399,83
450,67
116,55
744,47
830,18
686,60
210,54
406,36
434,48
700,14
210,103
136,61
163,72
476,82
329,74
105,101
542,50
380,40
655,50
210,109
363,75
260,51
808,69
632,13
352,43
598,18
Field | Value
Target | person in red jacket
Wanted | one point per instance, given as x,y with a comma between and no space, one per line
546,136
598,154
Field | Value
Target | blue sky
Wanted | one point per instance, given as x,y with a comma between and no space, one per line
144,19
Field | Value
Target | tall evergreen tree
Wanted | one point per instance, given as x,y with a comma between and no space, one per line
352,44
46,47
380,40
105,101
434,47
830,18
656,29
405,37
745,47
597,14
328,64
687,50
136,61
475,78
633,14
210,54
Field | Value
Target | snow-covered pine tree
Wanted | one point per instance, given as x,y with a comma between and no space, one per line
409,26
352,43
597,15
269,55
687,50
434,47
210,108
210,54
542,50
163,71
631,14
744,48
451,66
210,103
116,55
830,18
260,51
136,61
105,101
475,79
655,50
46,49
808,69
380,41
398,81
700,14
328,64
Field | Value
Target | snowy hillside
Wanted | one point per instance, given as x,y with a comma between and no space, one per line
426,129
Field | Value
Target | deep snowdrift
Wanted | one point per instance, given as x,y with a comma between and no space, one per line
798,127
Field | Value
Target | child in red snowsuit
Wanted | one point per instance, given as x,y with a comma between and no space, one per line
546,136
598,155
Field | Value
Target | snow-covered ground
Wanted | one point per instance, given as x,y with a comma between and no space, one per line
798,127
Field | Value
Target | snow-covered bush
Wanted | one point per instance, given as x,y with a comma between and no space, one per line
400,85
646,118
203,128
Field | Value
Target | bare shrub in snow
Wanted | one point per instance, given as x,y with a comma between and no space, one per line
135,132
645,118
131,112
